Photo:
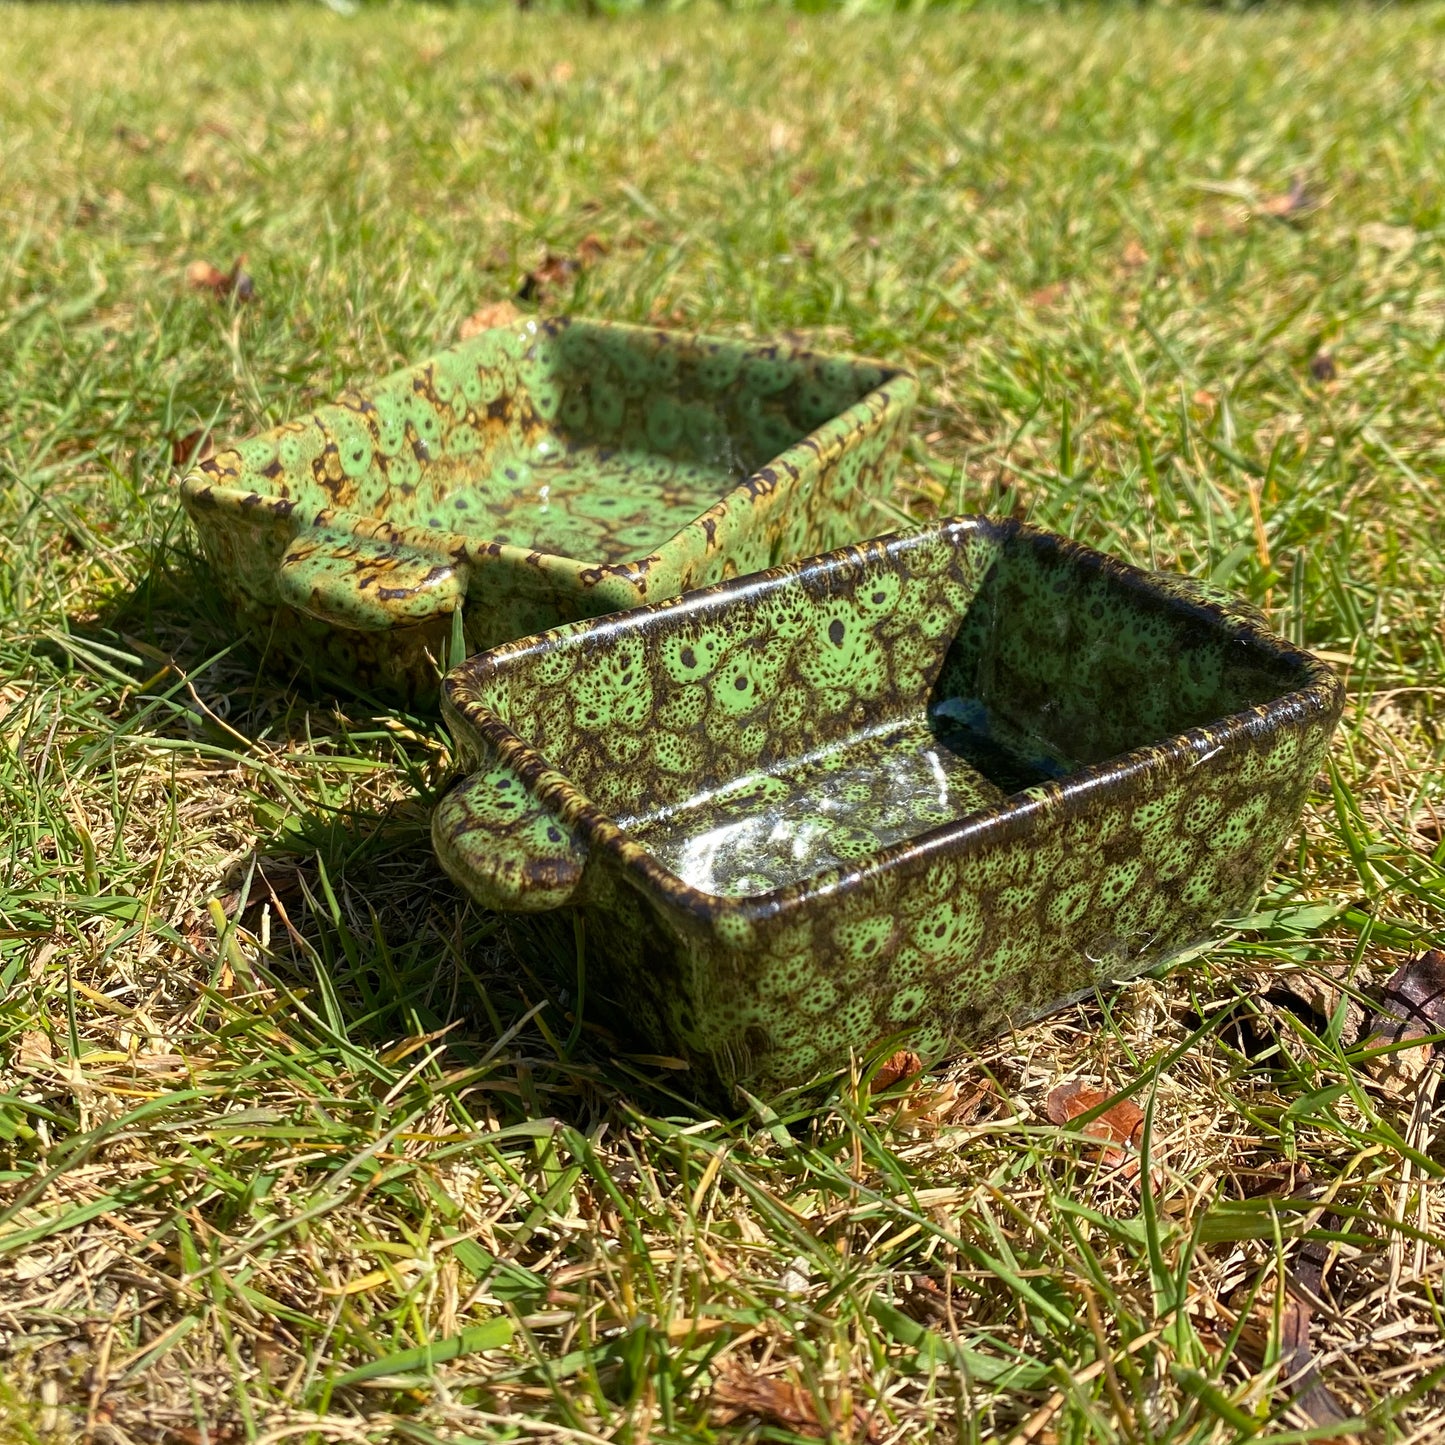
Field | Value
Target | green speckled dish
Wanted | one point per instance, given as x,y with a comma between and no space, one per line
925,786
536,474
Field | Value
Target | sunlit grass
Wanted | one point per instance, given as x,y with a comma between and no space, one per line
288,1136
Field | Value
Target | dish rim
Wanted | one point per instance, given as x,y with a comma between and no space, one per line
1319,694
898,385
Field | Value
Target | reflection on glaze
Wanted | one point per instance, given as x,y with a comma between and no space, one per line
840,804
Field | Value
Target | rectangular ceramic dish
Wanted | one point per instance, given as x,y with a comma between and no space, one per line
927,785
536,474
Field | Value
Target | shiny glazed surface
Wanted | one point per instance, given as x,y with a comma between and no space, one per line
920,787
846,801
535,474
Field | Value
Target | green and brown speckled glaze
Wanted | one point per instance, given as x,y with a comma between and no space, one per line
929,785
536,474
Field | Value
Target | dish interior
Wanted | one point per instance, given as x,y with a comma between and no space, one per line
753,745
848,799
590,442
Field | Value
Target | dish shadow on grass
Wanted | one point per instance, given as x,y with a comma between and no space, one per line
344,904
388,949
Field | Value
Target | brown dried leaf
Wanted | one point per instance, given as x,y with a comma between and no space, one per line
1306,1389
1047,297
1135,255
485,318
1118,1127
1320,991
902,1065
195,446
34,1051
1294,205
558,270
1400,1071
1412,1006
203,276
740,1392
1414,998
133,139
590,249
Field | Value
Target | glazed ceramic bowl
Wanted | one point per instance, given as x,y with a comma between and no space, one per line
924,787
535,474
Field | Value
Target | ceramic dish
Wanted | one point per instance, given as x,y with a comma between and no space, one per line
535,474
920,787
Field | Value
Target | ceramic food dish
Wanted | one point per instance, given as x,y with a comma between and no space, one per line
536,474
924,786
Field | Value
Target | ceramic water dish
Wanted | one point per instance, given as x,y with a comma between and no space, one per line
536,474
925,786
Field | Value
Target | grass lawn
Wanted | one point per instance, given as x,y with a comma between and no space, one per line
291,1146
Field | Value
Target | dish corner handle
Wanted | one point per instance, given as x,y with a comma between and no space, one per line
366,583
508,849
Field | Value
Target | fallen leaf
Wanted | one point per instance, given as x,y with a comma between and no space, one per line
1047,297
739,1392
1414,996
1317,994
558,270
902,1065
1322,366
1135,255
1294,205
485,318
136,140
1118,1127
1412,1006
34,1051
195,446
203,276
590,249
1302,1379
